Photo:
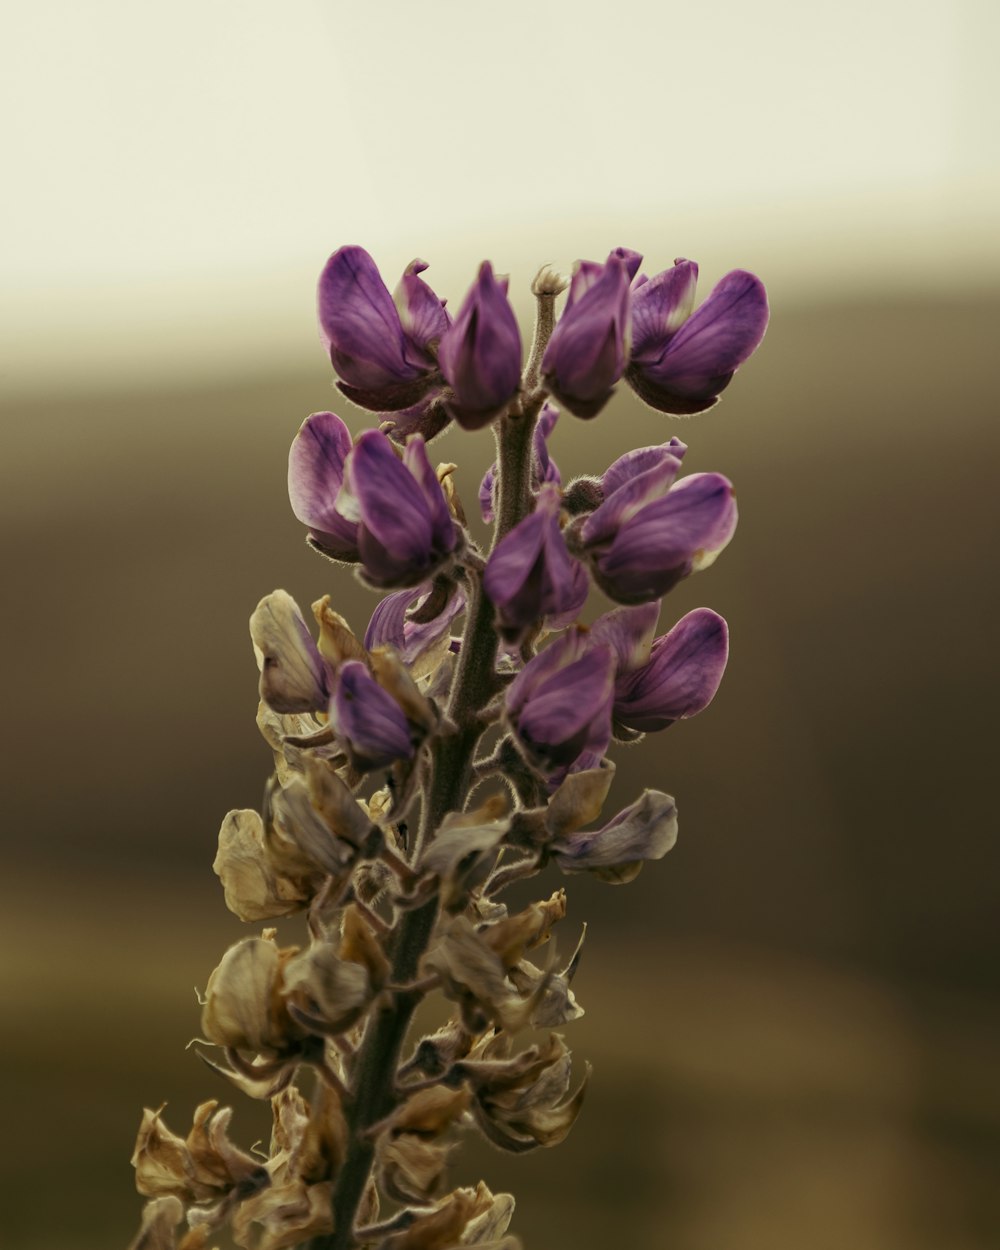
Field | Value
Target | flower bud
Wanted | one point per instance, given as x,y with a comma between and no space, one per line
480,355
370,720
243,1008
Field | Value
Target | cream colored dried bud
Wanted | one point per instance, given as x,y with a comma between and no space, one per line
380,806
359,944
514,935
275,727
337,642
331,993
333,800
430,1112
259,884
555,1002
243,1006
549,281
306,829
465,849
159,1222
293,677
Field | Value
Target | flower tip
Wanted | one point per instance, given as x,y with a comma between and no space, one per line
549,281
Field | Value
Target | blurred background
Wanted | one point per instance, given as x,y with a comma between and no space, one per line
794,1018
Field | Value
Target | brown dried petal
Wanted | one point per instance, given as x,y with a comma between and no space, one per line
429,1112
299,820
337,642
330,989
487,1228
579,799
216,1164
275,728
511,937
161,1160
159,1222
411,1168
286,1215
472,976
442,1227
243,1008
464,850
335,803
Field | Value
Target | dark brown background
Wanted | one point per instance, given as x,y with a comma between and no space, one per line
793,1018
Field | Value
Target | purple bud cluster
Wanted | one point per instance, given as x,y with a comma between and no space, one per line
483,665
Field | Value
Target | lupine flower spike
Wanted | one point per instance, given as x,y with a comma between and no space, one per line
457,746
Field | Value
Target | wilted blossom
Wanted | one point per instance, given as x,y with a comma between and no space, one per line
294,677
415,621
651,531
667,679
480,354
405,528
559,705
589,347
530,575
681,361
382,351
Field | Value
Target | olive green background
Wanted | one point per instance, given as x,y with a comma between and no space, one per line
793,1018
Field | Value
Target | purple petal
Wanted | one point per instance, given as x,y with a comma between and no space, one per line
570,712
480,354
442,526
586,354
386,498
427,418
645,830
360,323
421,312
391,624
562,651
629,633
636,494
531,575
371,720
629,466
659,309
668,539
315,475
681,678
700,359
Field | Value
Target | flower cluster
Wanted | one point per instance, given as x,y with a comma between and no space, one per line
456,745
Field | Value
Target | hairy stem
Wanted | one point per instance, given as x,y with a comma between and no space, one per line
374,1069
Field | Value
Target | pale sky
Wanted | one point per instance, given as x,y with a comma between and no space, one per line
177,173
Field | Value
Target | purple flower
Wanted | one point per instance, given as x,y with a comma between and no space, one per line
681,361
662,681
588,350
543,467
645,830
405,528
315,475
651,532
480,354
369,719
382,351
559,705
530,574
399,620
